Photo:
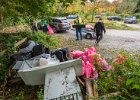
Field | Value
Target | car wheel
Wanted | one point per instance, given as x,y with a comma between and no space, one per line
88,36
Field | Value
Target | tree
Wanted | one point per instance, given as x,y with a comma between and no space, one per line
138,7
126,6
28,9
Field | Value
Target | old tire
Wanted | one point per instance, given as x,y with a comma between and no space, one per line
88,36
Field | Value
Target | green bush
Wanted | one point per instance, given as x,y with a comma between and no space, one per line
137,15
40,95
9,41
47,40
125,78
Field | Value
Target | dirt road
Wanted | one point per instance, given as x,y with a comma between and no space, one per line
117,39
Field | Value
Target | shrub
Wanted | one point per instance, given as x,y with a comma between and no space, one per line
125,78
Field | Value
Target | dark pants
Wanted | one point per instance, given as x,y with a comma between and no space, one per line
34,29
45,28
79,32
99,37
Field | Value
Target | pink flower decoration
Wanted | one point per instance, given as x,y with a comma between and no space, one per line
76,54
89,27
101,60
120,59
90,59
89,51
107,67
95,76
88,69
84,58
93,49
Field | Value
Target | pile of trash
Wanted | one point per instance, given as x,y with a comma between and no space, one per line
37,65
30,49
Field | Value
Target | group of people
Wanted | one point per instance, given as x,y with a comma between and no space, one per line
99,28
42,25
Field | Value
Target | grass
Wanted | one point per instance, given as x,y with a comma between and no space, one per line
114,25
118,26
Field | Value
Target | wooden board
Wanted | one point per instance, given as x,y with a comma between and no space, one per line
78,26
62,85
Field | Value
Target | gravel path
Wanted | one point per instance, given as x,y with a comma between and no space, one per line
117,39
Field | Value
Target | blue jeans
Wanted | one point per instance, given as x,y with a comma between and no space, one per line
79,32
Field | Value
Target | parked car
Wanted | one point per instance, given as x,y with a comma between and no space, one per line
98,16
130,20
60,24
114,18
71,16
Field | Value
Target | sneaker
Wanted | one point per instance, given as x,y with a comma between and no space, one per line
77,39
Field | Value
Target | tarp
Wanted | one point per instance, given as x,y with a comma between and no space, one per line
50,30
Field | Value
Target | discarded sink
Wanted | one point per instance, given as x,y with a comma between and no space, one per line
33,74
59,78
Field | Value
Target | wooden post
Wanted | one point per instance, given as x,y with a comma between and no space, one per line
82,86
89,89
95,91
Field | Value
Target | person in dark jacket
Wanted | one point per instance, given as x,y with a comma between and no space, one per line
33,26
98,29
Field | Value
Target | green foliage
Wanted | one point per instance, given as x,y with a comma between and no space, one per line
42,38
12,21
34,8
19,96
9,44
125,78
138,7
10,40
137,15
126,6
3,67
40,95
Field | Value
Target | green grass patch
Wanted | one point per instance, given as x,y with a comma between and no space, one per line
115,25
118,26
